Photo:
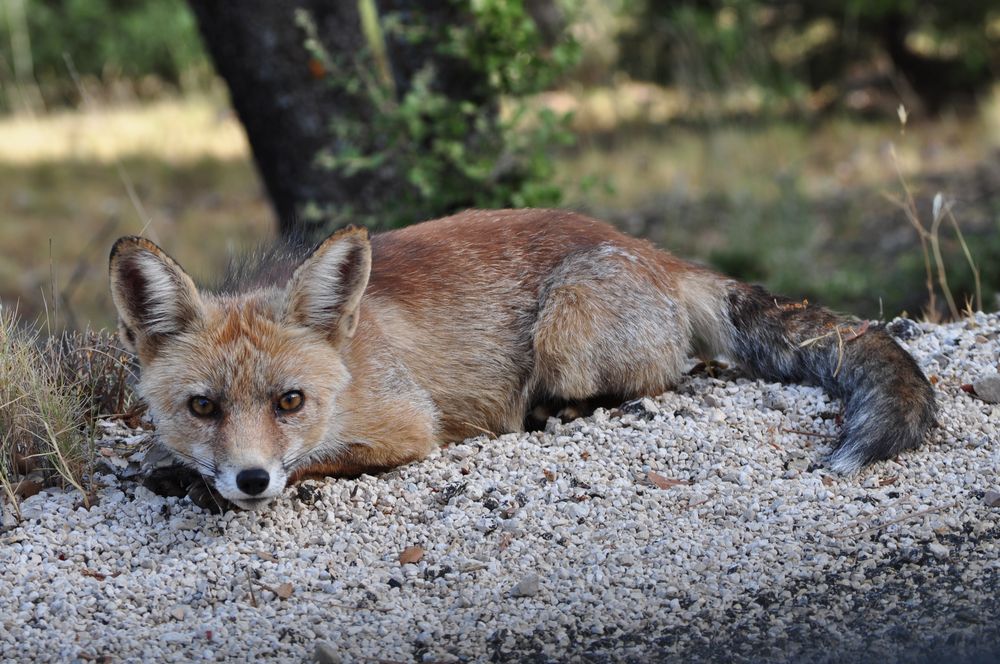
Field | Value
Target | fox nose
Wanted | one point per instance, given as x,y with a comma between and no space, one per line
253,480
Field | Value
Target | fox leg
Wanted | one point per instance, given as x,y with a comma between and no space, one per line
609,325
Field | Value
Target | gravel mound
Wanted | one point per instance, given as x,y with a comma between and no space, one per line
700,525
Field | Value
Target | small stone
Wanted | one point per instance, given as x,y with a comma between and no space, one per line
992,498
773,401
461,451
34,507
7,517
512,526
526,587
411,555
645,408
903,328
324,653
308,493
797,462
939,551
988,388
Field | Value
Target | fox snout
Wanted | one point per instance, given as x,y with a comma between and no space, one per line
251,486
253,481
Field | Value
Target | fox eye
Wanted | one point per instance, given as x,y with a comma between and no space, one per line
202,406
291,401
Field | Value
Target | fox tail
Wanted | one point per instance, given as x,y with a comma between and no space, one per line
889,404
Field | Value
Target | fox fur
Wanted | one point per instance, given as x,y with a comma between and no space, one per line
446,329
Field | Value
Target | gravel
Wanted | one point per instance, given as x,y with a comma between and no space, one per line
700,525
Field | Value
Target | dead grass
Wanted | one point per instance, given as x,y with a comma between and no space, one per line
41,418
645,155
178,131
58,221
799,205
934,262
52,391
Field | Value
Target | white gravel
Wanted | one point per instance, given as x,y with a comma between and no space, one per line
558,545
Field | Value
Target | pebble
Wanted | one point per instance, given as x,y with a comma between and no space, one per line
988,388
729,559
773,401
904,328
325,653
526,587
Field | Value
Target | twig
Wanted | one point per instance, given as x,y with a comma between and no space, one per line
809,433
253,595
840,351
968,257
935,240
909,208
892,522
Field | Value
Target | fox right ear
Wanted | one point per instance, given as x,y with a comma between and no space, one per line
325,291
155,298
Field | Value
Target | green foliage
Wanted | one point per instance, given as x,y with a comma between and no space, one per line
116,38
944,50
441,146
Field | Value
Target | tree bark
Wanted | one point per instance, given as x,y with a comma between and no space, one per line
279,95
287,107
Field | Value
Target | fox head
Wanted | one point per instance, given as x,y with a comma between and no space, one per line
243,388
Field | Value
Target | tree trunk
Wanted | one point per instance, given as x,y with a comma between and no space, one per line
279,95
286,106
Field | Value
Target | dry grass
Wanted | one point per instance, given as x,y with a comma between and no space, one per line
177,170
700,191
178,131
51,393
750,159
930,244
71,182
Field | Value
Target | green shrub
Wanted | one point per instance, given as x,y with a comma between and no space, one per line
440,148
105,39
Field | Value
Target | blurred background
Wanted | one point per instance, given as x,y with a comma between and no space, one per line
800,145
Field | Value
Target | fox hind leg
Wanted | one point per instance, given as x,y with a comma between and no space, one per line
608,325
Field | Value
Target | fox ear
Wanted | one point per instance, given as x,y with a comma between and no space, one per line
325,291
155,298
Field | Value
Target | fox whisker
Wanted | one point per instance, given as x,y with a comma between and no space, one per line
206,468
290,465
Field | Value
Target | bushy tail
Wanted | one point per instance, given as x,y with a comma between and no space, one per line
888,403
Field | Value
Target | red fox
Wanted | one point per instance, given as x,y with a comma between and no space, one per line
367,352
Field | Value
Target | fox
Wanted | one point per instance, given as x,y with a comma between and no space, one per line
366,352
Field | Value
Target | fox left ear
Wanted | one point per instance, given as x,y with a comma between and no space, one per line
325,291
155,298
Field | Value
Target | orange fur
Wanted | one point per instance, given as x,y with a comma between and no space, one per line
432,333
